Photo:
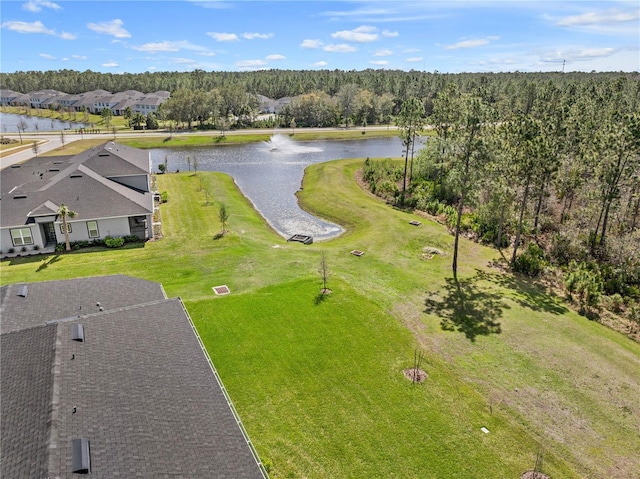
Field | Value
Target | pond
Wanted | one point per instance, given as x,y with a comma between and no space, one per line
34,124
270,173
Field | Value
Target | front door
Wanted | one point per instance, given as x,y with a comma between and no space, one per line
49,233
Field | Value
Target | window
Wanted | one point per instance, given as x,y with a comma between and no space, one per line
62,228
92,228
21,236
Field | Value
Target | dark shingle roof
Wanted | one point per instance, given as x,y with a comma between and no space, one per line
26,361
80,182
144,392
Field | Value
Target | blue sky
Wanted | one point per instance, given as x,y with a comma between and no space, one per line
448,36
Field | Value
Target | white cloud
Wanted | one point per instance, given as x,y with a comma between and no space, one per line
311,43
379,62
319,64
252,36
576,55
340,48
275,57
36,5
223,37
383,53
363,34
79,57
207,54
472,43
183,61
46,56
593,18
411,50
114,27
390,34
168,46
414,59
26,27
251,64
110,64
67,36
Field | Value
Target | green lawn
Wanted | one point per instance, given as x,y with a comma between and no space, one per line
318,380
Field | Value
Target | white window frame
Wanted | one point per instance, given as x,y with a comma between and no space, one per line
18,237
89,229
62,228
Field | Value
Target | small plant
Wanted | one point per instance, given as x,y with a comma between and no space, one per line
531,262
111,242
11,250
36,247
164,197
60,247
23,249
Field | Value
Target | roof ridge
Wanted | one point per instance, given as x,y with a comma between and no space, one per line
115,310
54,403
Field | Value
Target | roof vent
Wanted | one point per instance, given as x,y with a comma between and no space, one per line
54,169
75,176
23,290
81,460
16,166
77,332
104,154
19,197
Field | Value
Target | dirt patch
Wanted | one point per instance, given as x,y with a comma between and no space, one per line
415,375
533,475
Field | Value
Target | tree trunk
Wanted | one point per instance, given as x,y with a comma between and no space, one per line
500,226
522,208
454,264
66,234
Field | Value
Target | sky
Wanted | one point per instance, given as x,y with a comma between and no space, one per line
426,35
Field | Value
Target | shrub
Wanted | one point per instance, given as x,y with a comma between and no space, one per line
11,250
131,239
111,242
36,247
97,242
60,247
164,196
531,262
584,280
23,249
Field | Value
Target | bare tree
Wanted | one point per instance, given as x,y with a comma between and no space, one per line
324,273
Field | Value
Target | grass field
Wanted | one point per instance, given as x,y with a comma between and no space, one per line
318,380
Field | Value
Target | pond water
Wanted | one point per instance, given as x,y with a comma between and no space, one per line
9,124
270,173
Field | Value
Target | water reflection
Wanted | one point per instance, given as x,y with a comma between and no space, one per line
11,123
270,173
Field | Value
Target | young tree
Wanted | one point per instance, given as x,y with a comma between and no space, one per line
62,138
63,213
410,121
35,147
324,272
223,216
106,115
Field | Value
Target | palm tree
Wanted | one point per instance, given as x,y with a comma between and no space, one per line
64,212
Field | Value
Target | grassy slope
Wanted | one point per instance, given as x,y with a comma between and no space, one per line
319,384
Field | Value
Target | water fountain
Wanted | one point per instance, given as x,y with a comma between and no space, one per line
282,144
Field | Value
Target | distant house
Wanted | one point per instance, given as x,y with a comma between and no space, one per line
106,377
107,186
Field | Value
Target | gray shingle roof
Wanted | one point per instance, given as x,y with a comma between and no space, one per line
80,182
144,393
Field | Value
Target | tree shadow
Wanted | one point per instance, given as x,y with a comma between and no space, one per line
467,306
45,264
526,292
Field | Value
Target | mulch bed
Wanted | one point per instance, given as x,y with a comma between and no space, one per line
533,475
415,376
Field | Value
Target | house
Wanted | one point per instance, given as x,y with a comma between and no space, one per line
107,377
108,186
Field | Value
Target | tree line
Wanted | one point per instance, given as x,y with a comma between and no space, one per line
554,182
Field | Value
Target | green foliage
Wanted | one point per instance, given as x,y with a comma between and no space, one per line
162,168
113,242
584,280
531,262
164,197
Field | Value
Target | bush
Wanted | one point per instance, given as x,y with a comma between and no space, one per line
111,242
60,247
23,249
36,247
11,250
531,262
131,239
164,197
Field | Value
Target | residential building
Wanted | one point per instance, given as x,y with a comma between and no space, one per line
108,187
107,377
